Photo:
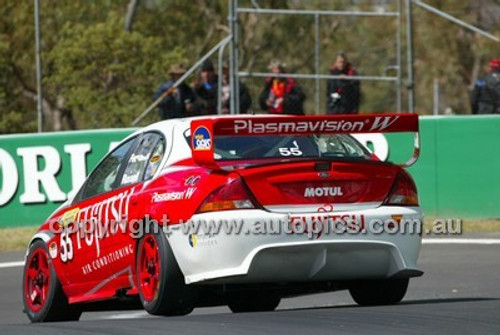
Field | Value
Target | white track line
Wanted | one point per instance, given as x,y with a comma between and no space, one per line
11,264
132,315
483,241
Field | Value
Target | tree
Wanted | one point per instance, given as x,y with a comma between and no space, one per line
112,73
98,74
451,54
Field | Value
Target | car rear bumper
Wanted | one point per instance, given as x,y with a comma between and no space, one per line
257,256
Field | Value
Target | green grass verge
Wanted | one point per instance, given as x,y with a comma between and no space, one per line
12,239
468,225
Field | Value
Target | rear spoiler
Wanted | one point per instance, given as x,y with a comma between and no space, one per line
204,130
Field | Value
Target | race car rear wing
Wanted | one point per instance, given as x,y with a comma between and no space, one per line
203,131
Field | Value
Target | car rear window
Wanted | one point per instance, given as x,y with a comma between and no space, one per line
317,146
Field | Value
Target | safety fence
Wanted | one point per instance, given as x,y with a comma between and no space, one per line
327,52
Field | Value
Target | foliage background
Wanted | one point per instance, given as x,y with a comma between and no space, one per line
98,74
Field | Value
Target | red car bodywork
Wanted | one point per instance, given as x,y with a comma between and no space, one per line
99,263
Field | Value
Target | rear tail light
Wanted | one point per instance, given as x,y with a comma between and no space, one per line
233,195
403,192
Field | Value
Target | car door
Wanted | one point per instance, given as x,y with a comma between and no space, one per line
101,199
142,165
111,192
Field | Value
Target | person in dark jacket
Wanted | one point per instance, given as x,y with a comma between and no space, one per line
245,99
206,88
281,95
485,97
343,96
181,101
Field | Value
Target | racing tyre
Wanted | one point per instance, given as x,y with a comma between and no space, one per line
253,301
379,292
162,290
43,297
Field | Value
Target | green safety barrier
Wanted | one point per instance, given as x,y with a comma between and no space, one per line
39,171
457,175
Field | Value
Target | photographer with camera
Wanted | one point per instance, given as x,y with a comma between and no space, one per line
343,95
179,102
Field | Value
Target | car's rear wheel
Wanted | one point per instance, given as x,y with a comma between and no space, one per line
43,297
379,292
162,290
252,301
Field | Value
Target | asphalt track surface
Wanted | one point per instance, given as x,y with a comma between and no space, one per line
458,294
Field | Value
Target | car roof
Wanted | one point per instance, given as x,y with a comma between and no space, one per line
172,127
168,124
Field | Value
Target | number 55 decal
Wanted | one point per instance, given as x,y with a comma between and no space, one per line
293,151
66,246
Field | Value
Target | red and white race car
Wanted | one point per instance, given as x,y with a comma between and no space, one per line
236,210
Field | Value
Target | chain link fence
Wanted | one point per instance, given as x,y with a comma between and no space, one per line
288,61
307,42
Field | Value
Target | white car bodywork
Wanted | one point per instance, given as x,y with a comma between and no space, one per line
251,258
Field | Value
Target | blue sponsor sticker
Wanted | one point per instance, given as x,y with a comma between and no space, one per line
192,240
202,139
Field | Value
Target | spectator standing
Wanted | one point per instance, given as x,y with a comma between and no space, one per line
244,97
181,100
281,95
343,96
206,88
485,97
